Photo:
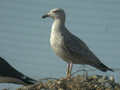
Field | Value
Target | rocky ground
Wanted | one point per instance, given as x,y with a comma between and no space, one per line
95,82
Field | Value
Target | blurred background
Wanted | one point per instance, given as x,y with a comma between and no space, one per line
24,35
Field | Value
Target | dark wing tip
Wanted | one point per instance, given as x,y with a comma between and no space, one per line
110,69
104,68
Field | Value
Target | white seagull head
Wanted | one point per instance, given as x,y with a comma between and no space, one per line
56,13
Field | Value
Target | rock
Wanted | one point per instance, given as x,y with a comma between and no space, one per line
95,82
112,78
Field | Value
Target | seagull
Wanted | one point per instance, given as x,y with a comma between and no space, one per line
8,74
68,46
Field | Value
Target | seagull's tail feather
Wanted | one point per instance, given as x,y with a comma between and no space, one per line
103,67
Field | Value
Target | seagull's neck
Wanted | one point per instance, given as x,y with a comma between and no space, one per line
58,24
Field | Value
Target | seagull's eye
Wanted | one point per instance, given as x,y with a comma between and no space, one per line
55,11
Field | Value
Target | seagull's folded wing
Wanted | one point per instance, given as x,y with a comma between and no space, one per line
78,49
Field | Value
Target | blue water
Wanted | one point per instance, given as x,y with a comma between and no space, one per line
24,36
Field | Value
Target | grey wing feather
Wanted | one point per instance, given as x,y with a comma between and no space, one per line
79,50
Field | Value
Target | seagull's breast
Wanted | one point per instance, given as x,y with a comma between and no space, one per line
56,37
56,42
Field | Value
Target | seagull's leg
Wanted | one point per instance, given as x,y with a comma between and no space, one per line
69,69
85,72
